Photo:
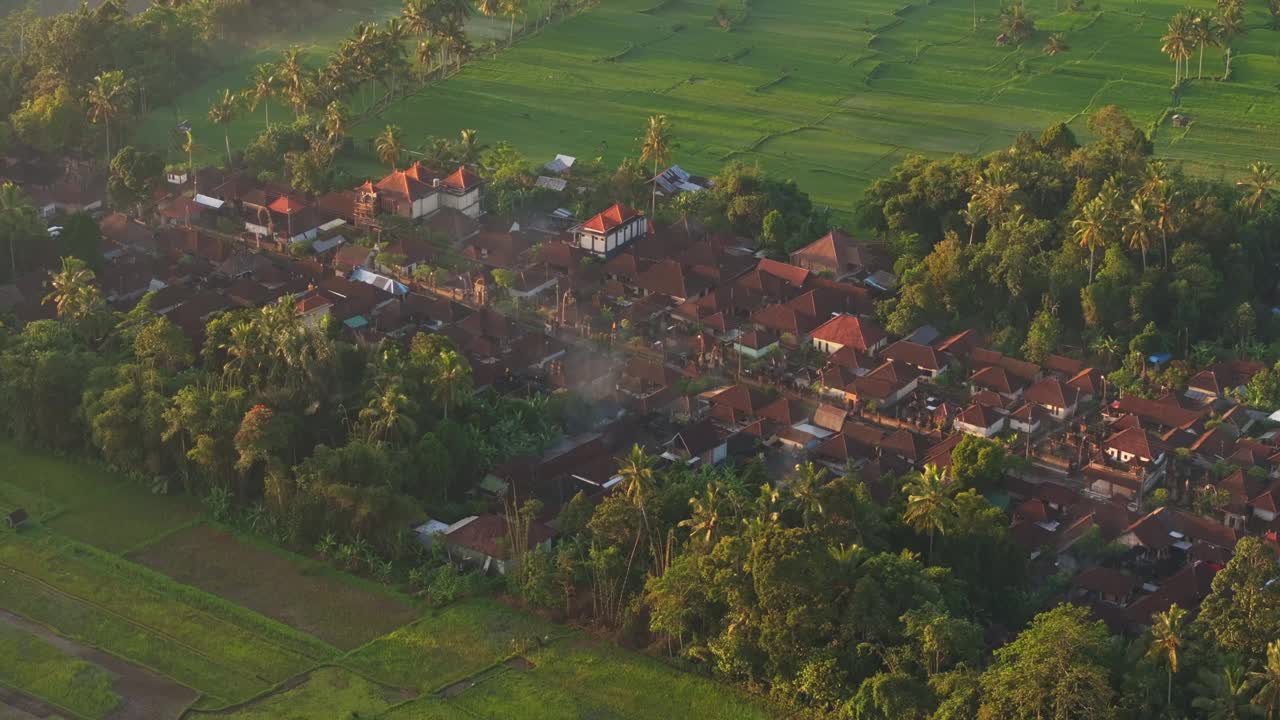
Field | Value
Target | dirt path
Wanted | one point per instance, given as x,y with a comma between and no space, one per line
144,694
16,705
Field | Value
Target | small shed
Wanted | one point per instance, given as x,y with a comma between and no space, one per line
17,519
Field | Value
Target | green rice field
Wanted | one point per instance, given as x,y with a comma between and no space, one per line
833,93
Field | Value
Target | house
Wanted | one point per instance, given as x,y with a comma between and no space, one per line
1241,490
1221,379
738,404
1027,418
1162,415
849,331
675,180
1058,399
1089,382
1161,533
835,253
1186,589
611,229
755,344
1102,584
700,442
926,360
485,540
313,308
998,380
1133,445
1109,482
886,385
417,192
980,420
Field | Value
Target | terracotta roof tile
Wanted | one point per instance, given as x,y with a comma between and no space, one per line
610,218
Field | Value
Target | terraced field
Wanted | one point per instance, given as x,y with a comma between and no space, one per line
116,604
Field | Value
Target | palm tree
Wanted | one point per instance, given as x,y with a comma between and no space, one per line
336,119
638,476
1138,227
513,8
655,147
1224,695
929,503
261,89
418,17
74,294
1176,42
993,197
704,514
106,100
425,56
469,148
1016,22
1259,183
1268,682
1106,345
1166,216
806,490
1168,635
390,145
1057,44
1230,21
223,112
489,8
1092,229
452,380
1203,32
292,75
388,416
18,220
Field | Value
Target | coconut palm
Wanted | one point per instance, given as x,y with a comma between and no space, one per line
469,147
73,293
1057,44
929,503
1268,682
638,476
704,514
1204,31
1258,185
655,147
1176,42
388,416
1168,635
1224,695
1092,229
390,145
106,100
1230,21
513,8
418,17
262,89
1016,22
806,491
337,117
425,56
1166,216
994,198
293,77
223,112
19,221
489,8
1139,226
452,380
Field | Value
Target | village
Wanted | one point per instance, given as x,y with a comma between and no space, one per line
701,349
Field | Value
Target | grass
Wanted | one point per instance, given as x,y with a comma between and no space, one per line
36,667
200,640
446,646
832,93
87,502
318,40
294,590
327,692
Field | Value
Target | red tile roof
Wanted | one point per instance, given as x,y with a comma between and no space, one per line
850,331
462,179
1050,392
793,275
616,215
488,535
980,416
915,354
1136,442
1106,581
287,205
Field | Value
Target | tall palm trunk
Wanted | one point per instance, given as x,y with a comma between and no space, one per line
511,39
653,192
1200,69
1093,250
1168,693
930,546
1164,241
226,138
107,125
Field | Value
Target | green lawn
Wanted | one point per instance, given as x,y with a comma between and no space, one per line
327,692
37,668
202,641
87,502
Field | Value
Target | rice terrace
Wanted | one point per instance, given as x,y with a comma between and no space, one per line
833,94
90,634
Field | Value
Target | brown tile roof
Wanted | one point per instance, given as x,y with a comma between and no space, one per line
915,354
1105,580
836,249
847,357
1050,392
830,417
786,411
670,278
1063,365
610,218
742,398
791,274
906,444
1137,442
1185,589
980,416
1087,381
995,378
959,344
489,535
461,179
850,331
698,437
1032,510
1161,413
